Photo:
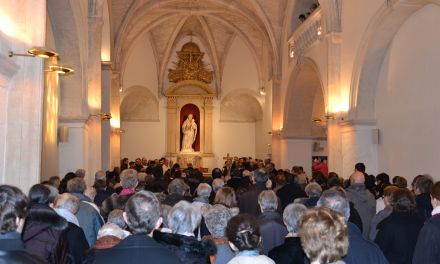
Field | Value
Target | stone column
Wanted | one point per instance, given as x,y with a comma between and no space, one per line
106,76
172,140
93,125
208,107
115,138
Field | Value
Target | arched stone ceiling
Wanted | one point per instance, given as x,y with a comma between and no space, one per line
258,22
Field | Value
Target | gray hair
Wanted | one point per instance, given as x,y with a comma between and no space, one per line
80,173
111,229
116,217
129,179
292,214
268,201
217,184
336,201
67,201
183,218
100,175
261,175
204,190
76,185
313,189
53,192
164,210
141,176
216,219
177,186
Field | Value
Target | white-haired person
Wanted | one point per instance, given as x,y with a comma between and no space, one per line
324,235
291,250
109,235
67,205
273,231
216,219
183,219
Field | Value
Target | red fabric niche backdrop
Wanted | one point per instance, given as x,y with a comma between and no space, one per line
184,112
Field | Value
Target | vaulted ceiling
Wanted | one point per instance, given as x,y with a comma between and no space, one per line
260,23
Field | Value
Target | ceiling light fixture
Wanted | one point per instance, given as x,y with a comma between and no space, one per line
41,52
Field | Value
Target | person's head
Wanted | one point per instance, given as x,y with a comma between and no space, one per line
216,173
268,201
100,184
217,184
100,175
177,186
68,202
435,195
324,235
387,194
111,229
243,232
360,167
164,210
129,179
292,214
280,179
226,196
141,177
313,189
13,209
53,193
357,177
80,173
383,178
76,185
261,175
116,217
90,192
54,181
204,190
39,194
402,200
423,185
142,213
184,218
335,200
216,219
400,182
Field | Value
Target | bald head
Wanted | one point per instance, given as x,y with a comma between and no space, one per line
357,177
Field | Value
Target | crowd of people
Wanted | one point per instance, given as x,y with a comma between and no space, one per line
153,211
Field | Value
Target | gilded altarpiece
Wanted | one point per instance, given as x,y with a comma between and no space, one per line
191,85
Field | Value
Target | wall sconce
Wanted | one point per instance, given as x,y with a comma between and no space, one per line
317,120
60,69
319,31
102,115
262,91
36,52
117,130
330,116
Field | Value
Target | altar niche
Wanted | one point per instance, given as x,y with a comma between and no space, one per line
190,109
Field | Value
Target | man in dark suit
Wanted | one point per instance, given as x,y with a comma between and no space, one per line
142,215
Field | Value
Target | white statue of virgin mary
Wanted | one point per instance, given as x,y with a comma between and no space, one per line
189,129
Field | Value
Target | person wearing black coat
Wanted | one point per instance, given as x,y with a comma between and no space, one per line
289,192
44,233
397,235
428,243
142,213
13,209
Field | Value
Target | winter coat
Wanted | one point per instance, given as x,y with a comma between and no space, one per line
361,250
379,217
423,203
114,201
272,229
397,236
78,244
288,193
133,249
365,204
427,249
45,234
12,251
188,249
89,218
106,242
290,252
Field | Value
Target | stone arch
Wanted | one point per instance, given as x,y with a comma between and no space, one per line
305,101
240,106
138,103
379,34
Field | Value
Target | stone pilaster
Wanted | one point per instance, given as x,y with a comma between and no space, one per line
172,129
208,126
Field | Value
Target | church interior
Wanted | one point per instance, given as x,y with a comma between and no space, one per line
85,83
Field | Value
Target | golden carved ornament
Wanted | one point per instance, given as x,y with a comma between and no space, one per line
190,65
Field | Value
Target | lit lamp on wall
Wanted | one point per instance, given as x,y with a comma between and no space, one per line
103,115
41,52
60,69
